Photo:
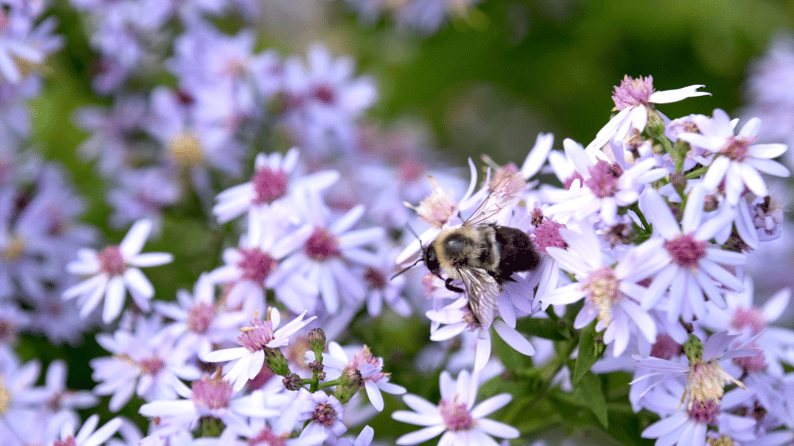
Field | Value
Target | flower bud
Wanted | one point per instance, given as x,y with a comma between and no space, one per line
317,341
351,381
678,180
276,361
655,124
292,382
693,348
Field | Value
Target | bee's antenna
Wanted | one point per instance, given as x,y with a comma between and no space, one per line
417,260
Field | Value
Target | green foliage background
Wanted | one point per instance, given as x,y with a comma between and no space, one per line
485,84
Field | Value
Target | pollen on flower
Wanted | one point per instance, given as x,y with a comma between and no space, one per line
685,250
603,181
752,318
603,289
151,365
269,185
111,261
665,347
14,249
186,149
547,234
255,264
437,208
324,414
704,411
211,392
456,416
200,316
267,437
5,396
737,148
255,337
706,382
322,244
633,92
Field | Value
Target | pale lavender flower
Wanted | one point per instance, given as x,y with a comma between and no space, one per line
55,397
89,435
144,362
633,98
114,270
23,45
691,265
324,413
143,194
364,438
260,337
738,160
16,387
461,422
363,365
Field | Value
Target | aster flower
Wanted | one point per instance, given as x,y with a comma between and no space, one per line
610,291
16,390
362,367
273,181
324,414
364,438
633,100
258,341
89,435
114,270
56,397
738,160
456,416
691,266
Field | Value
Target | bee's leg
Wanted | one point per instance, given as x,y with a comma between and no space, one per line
452,287
501,287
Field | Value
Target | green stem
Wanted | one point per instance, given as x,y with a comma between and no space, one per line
668,147
636,208
328,384
696,173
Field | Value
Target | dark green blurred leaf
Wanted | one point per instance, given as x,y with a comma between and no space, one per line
589,393
589,352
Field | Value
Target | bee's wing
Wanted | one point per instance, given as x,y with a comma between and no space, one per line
501,196
481,290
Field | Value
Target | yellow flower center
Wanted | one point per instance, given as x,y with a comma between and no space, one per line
14,249
186,149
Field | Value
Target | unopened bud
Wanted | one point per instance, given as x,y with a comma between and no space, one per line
693,348
351,382
678,180
317,340
655,124
292,382
276,361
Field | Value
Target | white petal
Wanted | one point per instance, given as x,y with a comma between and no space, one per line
138,283
226,354
114,299
514,338
421,435
498,429
135,239
491,405
668,96
151,259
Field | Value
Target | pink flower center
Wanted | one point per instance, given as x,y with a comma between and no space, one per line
685,250
547,234
111,261
516,182
737,148
665,347
375,279
751,318
705,411
212,393
199,317
603,181
69,441
269,185
151,365
569,181
324,94
324,414
364,356
267,437
322,244
752,364
410,170
633,92
255,264
456,417
255,337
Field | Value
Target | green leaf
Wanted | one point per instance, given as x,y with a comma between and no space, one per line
543,328
589,393
589,351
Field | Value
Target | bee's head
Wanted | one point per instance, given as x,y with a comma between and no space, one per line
431,259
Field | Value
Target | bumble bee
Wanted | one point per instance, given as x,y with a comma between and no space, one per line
482,255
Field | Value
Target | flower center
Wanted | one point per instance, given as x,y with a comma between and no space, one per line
213,393
375,279
200,316
111,261
5,396
685,250
633,92
706,382
737,148
322,244
364,356
324,94
603,288
256,265
13,249
665,347
516,182
151,365
255,337
547,234
69,441
186,149
437,208
751,318
269,185
324,414
456,417
752,364
267,437
410,170
705,412
603,181
722,441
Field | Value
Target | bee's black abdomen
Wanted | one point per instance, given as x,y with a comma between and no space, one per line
516,252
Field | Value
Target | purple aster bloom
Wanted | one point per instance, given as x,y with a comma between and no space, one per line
143,194
24,46
114,270
144,362
19,395
456,416
89,435
324,413
55,398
